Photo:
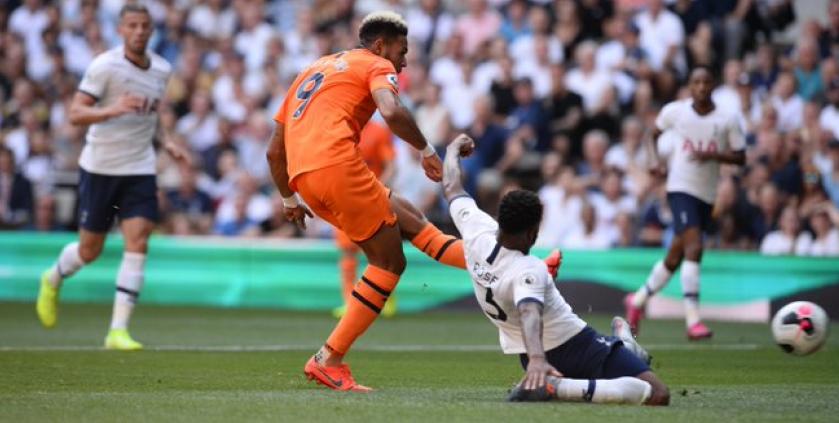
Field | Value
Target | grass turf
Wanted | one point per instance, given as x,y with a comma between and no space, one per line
430,367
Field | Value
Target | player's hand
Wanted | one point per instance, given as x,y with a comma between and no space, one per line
298,214
537,369
703,156
127,103
658,171
433,167
178,153
462,145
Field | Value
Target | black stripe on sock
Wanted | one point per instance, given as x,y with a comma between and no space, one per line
364,301
649,291
494,253
426,245
377,288
592,384
444,248
130,292
692,295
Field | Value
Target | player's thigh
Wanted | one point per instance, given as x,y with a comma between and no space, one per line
411,220
136,232
660,393
98,202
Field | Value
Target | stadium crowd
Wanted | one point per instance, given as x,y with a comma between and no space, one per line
559,95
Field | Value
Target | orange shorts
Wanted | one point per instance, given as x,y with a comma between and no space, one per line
343,241
348,196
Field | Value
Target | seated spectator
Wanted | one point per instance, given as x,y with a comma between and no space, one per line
200,126
190,209
784,168
593,166
788,104
830,174
563,108
431,114
528,112
823,222
480,24
829,117
590,235
611,202
515,23
277,226
807,72
789,239
562,202
430,23
593,85
490,143
16,197
662,36
244,211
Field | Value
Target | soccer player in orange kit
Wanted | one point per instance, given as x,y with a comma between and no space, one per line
313,153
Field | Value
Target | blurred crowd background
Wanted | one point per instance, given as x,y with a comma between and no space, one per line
559,95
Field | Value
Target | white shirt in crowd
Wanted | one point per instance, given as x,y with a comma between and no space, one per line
828,246
829,120
659,34
200,133
211,24
560,215
790,112
716,131
777,243
123,145
591,87
503,278
599,239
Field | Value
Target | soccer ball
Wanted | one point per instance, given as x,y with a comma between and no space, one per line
800,327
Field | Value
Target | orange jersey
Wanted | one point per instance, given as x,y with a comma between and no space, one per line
328,105
376,147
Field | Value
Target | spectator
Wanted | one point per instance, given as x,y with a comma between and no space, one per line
593,85
211,20
789,239
807,72
431,116
662,37
564,108
528,112
830,174
253,37
242,213
200,126
823,223
562,201
478,25
430,24
490,143
515,23
593,166
16,196
590,235
190,209
788,104
829,117
611,203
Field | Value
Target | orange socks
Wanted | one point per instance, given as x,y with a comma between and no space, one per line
366,302
441,247
349,266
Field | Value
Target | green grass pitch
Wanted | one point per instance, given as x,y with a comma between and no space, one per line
246,365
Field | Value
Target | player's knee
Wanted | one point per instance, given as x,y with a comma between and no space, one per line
137,245
693,250
89,251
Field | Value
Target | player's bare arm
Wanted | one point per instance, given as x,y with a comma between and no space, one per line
531,329
400,121
657,167
85,111
294,210
462,146
728,157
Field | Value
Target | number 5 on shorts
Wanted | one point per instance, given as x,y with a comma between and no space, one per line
305,92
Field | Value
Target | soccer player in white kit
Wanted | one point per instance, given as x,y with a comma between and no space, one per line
119,98
563,357
699,137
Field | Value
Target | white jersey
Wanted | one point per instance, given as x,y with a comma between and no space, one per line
716,131
123,145
504,278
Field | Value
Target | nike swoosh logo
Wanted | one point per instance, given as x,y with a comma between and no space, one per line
337,383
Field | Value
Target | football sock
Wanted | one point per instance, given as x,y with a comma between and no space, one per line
690,291
349,267
129,283
659,277
444,248
366,302
623,390
69,262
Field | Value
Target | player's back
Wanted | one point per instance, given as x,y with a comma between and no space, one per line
503,278
328,105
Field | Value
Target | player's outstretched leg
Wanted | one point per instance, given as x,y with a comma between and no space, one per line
130,279
696,330
348,267
659,276
426,237
72,258
386,264
623,390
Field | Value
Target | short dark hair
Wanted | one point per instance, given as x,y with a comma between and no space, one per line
519,211
381,24
133,7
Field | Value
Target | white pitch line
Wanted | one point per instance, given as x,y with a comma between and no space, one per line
375,348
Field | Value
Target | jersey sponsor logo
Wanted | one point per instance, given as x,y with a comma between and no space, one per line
391,77
691,146
481,273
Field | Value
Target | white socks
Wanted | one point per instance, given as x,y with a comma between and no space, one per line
659,277
623,390
129,283
690,290
69,262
